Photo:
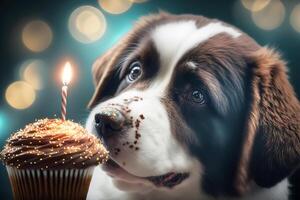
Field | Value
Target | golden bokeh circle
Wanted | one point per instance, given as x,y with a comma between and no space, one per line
20,95
271,17
37,35
115,6
295,18
31,71
87,24
255,5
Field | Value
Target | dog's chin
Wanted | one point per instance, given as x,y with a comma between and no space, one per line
130,182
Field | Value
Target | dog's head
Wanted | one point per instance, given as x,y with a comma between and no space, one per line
184,96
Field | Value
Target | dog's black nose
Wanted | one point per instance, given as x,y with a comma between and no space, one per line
108,122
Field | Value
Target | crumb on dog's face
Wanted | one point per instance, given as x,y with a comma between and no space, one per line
181,87
147,147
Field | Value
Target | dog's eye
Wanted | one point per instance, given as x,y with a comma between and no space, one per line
198,97
135,71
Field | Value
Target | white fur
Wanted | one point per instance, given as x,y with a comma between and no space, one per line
173,40
159,152
192,65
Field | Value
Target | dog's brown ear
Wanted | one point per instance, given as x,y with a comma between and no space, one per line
103,74
271,149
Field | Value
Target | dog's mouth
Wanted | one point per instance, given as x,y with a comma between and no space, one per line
168,180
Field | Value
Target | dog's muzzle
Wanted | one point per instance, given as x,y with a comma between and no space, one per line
109,122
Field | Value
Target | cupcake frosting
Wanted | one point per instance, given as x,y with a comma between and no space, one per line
53,144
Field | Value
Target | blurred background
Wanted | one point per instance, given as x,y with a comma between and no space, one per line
39,36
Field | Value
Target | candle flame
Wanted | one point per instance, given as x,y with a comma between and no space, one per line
67,73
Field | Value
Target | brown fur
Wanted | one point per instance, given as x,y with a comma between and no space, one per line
271,148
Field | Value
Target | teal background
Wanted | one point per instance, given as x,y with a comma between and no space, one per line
14,14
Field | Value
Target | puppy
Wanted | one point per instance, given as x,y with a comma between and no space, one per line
193,108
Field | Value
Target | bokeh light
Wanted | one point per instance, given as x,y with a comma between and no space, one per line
87,24
271,17
32,72
255,5
20,95
37,35
115,6
295,18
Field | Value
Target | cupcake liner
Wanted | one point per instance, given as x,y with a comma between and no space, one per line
61,184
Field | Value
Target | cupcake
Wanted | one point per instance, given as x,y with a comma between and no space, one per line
52,159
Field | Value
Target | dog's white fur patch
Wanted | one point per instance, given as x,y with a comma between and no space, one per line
175,39
159,151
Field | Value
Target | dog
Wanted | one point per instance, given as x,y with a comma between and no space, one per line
193,108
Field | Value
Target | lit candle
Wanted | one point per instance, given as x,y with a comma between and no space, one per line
66,78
